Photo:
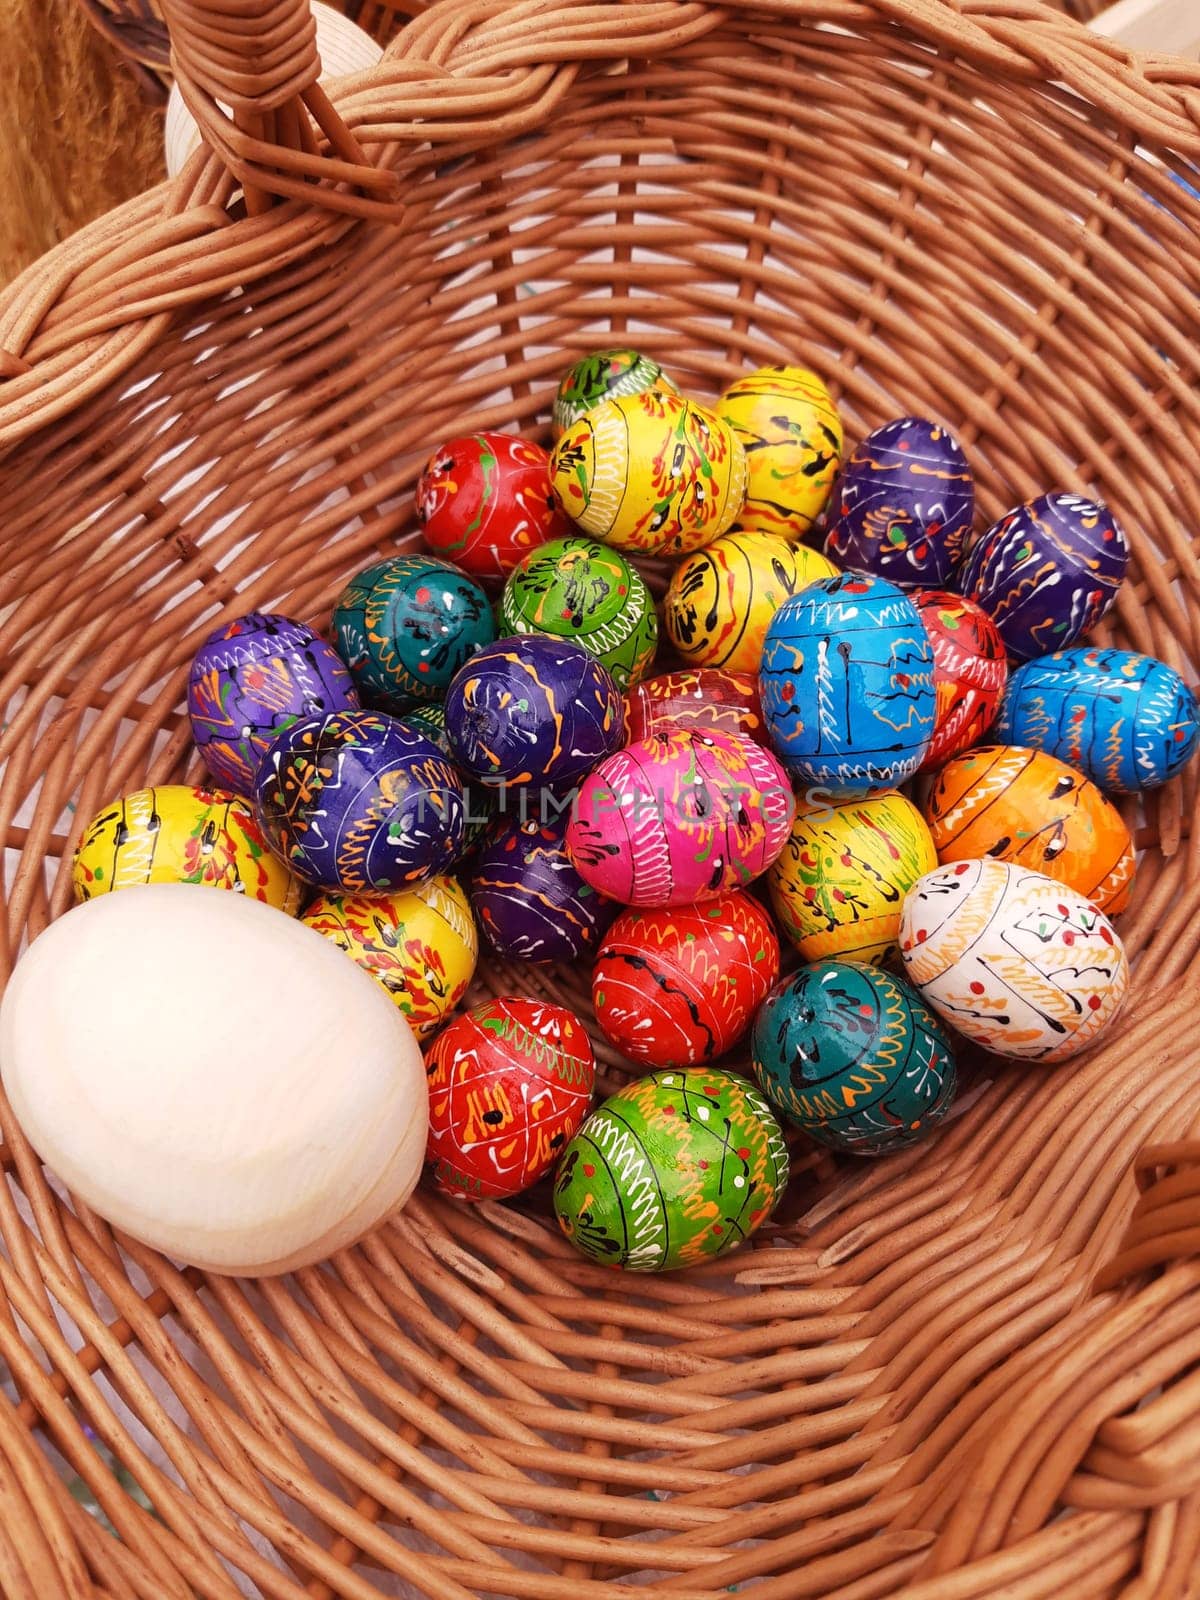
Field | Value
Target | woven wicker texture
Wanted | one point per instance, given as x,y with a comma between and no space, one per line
137,31
963,1371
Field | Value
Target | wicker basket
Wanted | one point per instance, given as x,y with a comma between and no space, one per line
138,33
963,1371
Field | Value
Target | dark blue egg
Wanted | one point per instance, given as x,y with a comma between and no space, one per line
530,901
1126,720
533,710
1046,572
847,685
903,505
360,802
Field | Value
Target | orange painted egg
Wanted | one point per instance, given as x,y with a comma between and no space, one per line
1025,806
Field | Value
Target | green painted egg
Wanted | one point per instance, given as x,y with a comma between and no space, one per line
853,1056
601,376
404,627
675,1169
584,591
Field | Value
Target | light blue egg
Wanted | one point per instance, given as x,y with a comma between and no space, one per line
1126,720
847,685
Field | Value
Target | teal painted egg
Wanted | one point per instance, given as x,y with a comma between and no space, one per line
405,625
853,1056
677,1168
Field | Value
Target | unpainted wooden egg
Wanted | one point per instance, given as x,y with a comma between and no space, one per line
214,1078
180,833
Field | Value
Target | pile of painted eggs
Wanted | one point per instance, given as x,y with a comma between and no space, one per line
840,754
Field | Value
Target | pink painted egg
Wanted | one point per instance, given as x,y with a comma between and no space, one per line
680,817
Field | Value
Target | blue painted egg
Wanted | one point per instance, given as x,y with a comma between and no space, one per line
406,625
903,505
1126,720
853,1056
360,802
530,901
532,710
847,685
252,678
1046,572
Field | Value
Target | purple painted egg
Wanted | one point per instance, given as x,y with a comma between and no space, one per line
1046,572
361,803
903,505
533,710
529,898
680,817
251,679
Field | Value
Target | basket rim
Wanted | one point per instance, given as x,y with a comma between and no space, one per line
57,350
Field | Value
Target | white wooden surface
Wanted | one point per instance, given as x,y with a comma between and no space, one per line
1172,25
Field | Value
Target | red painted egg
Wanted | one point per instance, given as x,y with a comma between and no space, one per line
484,501
699,698
509,1084
677,987
970,670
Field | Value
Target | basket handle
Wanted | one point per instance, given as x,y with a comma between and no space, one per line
281,137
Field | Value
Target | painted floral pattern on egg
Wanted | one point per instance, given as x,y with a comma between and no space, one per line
677,1168
680,817
1018,963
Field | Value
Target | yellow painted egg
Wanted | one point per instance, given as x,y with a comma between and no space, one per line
420,944
651,472
175,833
721,600
790,430
838,888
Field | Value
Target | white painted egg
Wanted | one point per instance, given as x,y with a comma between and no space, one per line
214,1078
1015,961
